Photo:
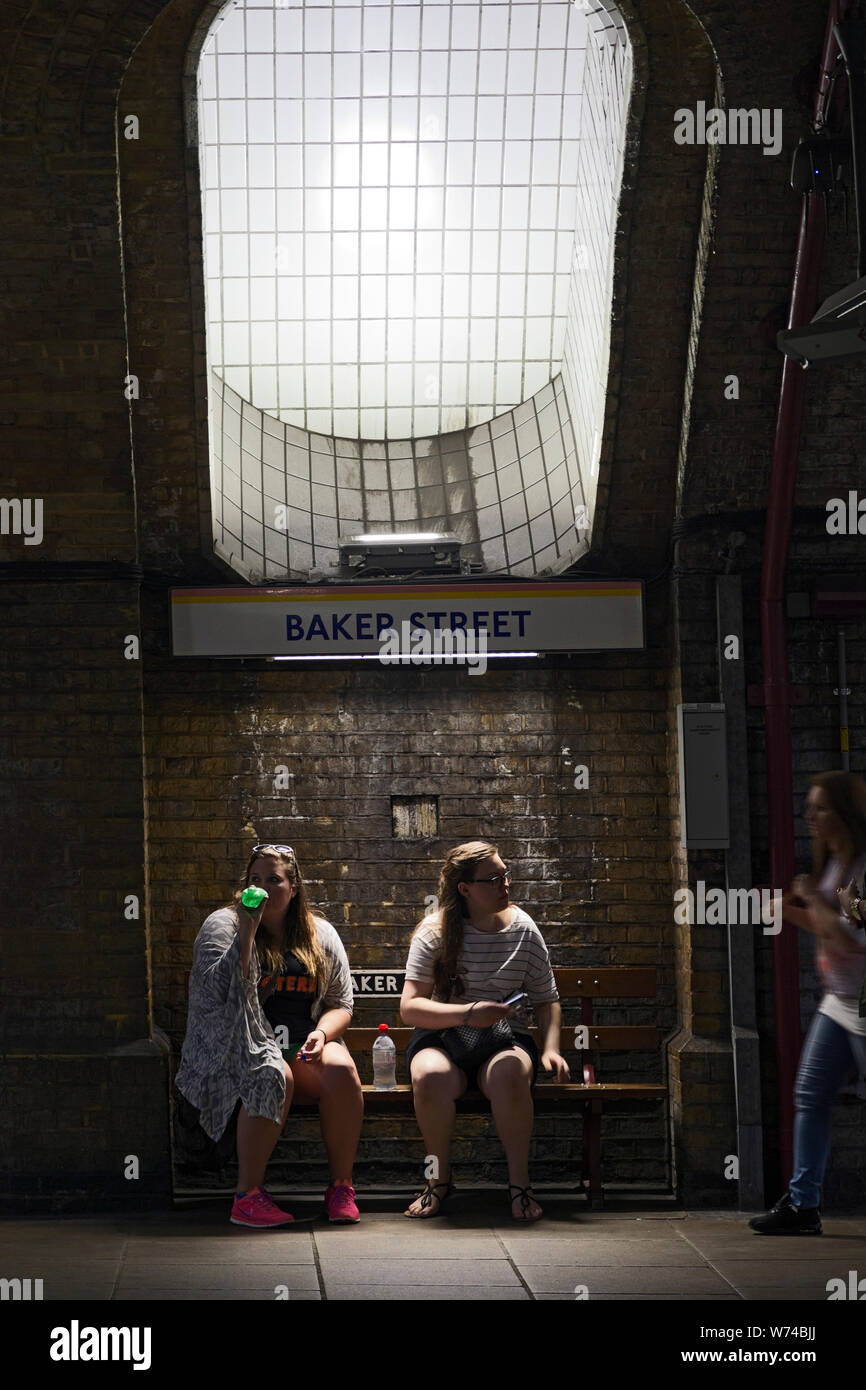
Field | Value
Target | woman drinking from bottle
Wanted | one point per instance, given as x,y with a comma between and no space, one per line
270,997
466,960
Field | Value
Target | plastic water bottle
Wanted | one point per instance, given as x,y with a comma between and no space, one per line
384,1061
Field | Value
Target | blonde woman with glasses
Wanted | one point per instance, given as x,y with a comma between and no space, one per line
464,963
278,967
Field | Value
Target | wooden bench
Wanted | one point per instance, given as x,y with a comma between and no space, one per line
586,1097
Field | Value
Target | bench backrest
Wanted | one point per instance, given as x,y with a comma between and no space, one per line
573,984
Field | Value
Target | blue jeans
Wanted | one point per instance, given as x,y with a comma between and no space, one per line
826,1058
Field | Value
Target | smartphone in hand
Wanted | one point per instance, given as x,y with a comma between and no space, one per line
516,998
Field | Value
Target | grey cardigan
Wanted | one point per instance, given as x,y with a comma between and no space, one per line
229,1051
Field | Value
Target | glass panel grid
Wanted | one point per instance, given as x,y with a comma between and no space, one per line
389,231
607,76
286,497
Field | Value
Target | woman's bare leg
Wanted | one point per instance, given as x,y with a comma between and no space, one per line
257,1139
436,1084
505,1080
335,1084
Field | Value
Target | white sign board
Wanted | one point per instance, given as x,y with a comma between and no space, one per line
351,620
378,982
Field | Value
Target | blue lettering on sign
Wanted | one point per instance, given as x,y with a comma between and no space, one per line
341,624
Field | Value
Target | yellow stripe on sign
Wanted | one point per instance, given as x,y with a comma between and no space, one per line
403,595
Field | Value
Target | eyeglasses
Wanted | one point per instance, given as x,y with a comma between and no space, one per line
283,849
495,880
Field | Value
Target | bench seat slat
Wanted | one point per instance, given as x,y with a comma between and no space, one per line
611,1037
548,1096
575,1088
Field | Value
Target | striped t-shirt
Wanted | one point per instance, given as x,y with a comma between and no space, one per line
495,965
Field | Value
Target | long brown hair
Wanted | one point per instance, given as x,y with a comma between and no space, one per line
460,866
846,793
299,928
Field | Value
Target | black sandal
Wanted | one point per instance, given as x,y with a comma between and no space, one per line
428,1196
525,1203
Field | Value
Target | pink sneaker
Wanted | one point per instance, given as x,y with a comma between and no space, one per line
340,1203
257,1208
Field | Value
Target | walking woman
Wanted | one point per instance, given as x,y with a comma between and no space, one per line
834,912
474,953
280,967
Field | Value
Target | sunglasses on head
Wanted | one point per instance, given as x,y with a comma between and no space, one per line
281,849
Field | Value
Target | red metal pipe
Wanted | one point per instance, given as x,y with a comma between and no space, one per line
777,688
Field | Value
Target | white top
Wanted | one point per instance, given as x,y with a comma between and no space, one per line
494,964
841,1012
842,965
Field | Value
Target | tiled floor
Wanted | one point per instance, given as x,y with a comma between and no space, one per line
473,1252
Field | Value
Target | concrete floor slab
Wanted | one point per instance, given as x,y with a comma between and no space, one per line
641,1297
620,1228
599,1250
60,1243
59,1266
426,1293
185,1252
386,1272
239,1276
788,1274
778,1293
777,1249
476,1254
606,1279
447,1246
78,1290
168,1295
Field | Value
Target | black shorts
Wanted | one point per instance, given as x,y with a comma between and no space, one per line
431,1037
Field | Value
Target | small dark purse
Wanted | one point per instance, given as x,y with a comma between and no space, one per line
468,1047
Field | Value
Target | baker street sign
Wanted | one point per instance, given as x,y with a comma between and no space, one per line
337,621
387,983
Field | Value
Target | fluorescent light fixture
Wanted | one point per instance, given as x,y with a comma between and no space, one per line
414,552
387,538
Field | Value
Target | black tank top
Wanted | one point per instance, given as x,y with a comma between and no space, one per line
292,999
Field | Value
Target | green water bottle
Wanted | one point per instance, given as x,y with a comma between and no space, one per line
253,898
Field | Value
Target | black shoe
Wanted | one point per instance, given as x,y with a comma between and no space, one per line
787,1220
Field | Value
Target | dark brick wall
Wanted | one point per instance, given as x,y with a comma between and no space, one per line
149,776
499,753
